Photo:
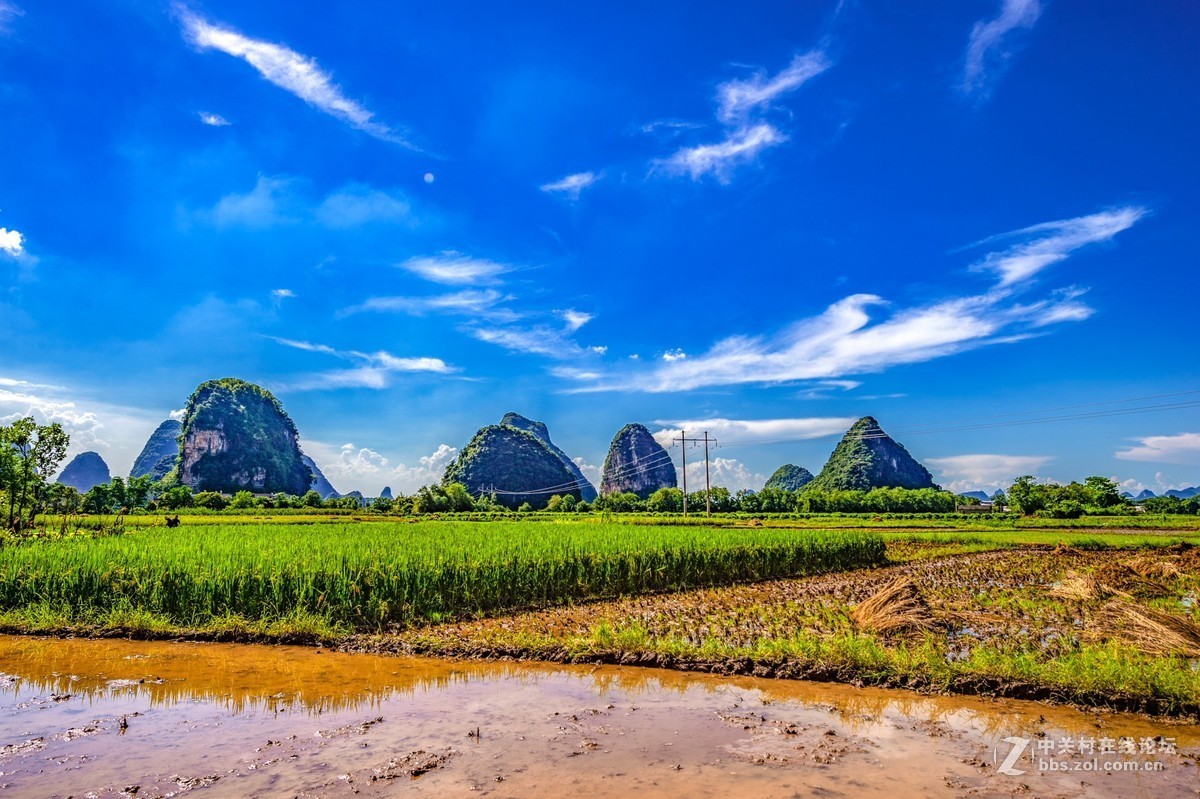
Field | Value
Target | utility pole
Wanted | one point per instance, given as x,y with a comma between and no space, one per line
707,482
683,442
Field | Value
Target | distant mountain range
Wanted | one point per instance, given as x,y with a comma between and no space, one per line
1178,493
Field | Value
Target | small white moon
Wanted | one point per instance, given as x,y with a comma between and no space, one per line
429,177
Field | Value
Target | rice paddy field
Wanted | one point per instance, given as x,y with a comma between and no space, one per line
1101,627
334,577
1088,611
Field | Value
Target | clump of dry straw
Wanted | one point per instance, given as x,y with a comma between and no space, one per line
895,608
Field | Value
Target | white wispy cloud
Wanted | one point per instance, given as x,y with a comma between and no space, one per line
575,319
671,356
12,242
8,12
282,294
12,382
116,432
742,146
372,370
985,46
269,204
740,104
737,98
756,431
543,339
571,185
1050,242
455,268
823,389
278,200
727,473
428,471
592,472
479,304
960,473
355,205
846,340
287,69
1181,448
213,120
536,340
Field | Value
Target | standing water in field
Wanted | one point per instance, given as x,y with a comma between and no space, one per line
119,718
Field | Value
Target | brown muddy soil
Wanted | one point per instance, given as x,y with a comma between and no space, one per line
108,718
996,597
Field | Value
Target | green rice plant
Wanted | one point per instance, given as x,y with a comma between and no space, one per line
371,576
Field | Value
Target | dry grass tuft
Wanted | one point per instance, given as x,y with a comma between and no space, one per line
898,607
1080,588
1124,581
1111,579
1153,568
1151,631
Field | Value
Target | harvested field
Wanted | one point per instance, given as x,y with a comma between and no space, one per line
1008,622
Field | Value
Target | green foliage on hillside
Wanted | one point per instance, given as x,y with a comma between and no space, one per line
159,454
539,429
636,464
789,477
867,458
262,450
503,458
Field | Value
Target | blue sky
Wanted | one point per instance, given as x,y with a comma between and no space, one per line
408,219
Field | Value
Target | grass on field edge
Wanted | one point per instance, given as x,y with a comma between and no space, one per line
1105,677
1101,676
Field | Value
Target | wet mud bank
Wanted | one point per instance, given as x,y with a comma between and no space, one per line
112,718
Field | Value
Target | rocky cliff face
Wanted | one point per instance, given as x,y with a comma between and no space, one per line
789,477
636,463
85,471
515,465
319,482
867,458
236,436
161,450
539,429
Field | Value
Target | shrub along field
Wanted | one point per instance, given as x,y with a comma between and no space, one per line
334,577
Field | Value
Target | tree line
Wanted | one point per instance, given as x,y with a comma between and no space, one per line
31,453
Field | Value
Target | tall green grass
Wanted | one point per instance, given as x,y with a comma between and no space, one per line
369,576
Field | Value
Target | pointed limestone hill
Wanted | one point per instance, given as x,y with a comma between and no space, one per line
386,493
637,464
319,482
867,458
982,496
160,453
539,429
1144,495
789,477
514,464
85,471
237,437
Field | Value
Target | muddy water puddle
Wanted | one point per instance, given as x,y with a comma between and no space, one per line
100,718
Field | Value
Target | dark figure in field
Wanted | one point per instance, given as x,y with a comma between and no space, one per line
172,521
